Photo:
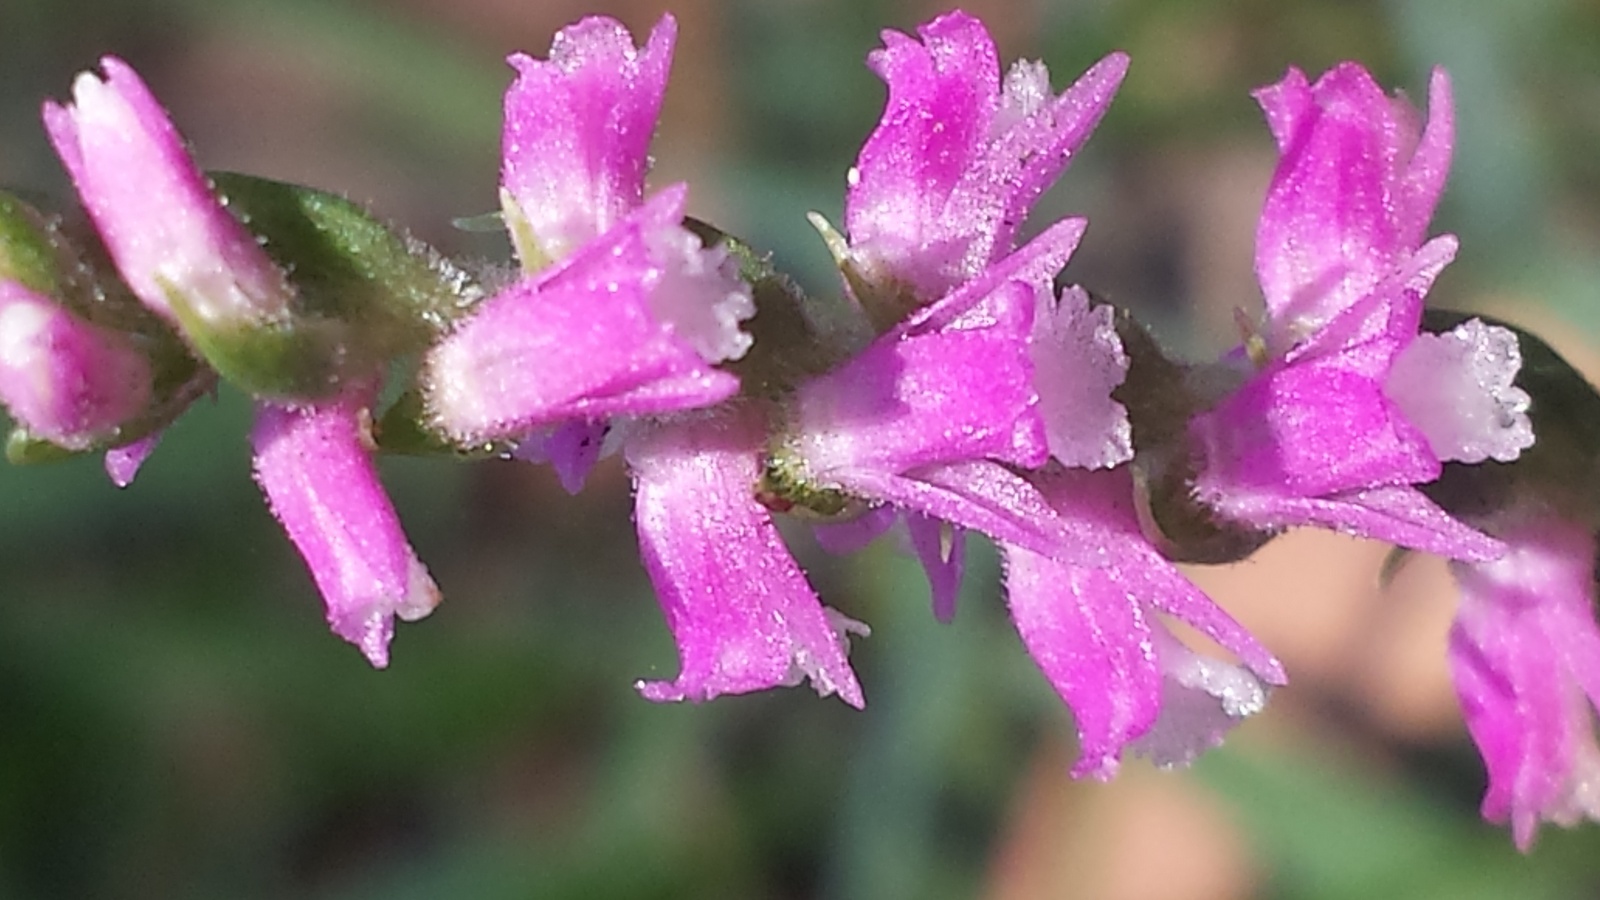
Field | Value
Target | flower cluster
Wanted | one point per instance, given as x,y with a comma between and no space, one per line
962,386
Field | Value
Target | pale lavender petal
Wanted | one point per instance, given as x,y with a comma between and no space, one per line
572,449
580,340
738,605
1078,360
1457,389
1202,699
575,149
940,548
65,379
958,393
313,464
123,463
163,225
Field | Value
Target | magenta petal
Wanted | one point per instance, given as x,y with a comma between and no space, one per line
956,160
985,497
1349,199
577,131
1525,655
958,393
1130,684
67,380
156,212
1306,430
738,605
1034,263
579,341
313,464
1400,515
1095,649
940,548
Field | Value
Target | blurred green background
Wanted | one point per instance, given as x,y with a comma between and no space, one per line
176,721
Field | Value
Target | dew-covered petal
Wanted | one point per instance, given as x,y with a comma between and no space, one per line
1078,360
162,223
957,159
575,148
313,464
906,402
1457,389
1524,651
1308,430
1348,199
582,340
737,603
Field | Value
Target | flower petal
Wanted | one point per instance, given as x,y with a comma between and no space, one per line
320,482
577,133
1457,389
740,608
158,216
581,340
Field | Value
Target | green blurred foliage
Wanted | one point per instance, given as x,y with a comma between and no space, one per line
176,721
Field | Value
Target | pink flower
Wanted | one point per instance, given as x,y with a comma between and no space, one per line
957,160
1525,654
65,379
631,324
314,465
744,617
170,237
1094,631
624,312
1347,409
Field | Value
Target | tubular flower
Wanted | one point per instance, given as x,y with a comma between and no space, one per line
313,464
179,250
1343,416
1525,655
630,325
958,159
624,312
1094,632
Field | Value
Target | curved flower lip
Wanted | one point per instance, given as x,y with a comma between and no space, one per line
575,149
743,615
67,380
164,227
322,486
956,161
580,340
1093,631
1352,195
